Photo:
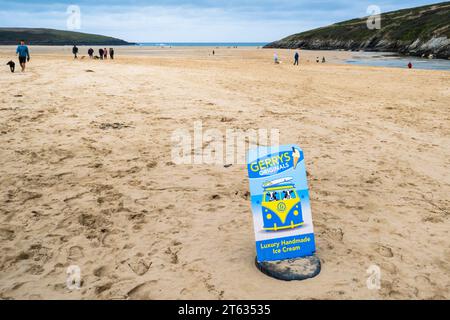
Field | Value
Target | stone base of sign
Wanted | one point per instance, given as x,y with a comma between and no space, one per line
291,269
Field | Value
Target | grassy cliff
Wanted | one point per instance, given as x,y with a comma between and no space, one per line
11,36
417,31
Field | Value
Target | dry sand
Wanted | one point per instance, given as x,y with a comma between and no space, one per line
76,190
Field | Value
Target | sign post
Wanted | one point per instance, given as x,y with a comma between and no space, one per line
284,232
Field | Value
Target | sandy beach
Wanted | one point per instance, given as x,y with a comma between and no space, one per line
87,177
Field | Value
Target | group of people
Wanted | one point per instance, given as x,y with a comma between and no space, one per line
103,53
24,55
296,58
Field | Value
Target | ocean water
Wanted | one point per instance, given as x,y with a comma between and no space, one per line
203,44
392,60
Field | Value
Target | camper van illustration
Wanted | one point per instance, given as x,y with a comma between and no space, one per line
281,206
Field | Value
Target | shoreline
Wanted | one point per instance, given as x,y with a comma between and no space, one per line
339,57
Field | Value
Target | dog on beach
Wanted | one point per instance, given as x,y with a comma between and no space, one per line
12,66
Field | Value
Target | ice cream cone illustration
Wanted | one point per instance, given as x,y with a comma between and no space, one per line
296,156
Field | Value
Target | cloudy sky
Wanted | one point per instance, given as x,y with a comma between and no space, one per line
192,21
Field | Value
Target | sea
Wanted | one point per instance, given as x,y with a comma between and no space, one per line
203,44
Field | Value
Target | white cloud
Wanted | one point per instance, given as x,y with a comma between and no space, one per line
201,20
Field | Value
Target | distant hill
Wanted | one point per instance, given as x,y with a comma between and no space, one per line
11,36
418,31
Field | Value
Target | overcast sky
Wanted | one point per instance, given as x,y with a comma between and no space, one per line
192,21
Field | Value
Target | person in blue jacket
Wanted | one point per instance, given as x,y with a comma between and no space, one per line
24,54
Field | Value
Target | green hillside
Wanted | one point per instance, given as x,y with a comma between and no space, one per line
11,36
417,31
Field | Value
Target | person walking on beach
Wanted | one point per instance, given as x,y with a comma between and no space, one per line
106,53
296,58
275,58
101,53
91,53
75,51
111,53
24,54
410,65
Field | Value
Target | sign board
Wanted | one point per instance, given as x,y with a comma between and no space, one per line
280,203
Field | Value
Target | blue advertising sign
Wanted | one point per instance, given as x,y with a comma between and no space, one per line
280,203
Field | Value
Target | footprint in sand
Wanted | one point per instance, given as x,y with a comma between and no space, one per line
92,222
56,155
152,164
138,220
243,194
102,288
142,291
7,235
336,234
40,253
115,126
36,252
111,238
22,256
139,266
432,219
28,196
225,119
173,253
100,272
75,253
125,173
385,251
35,269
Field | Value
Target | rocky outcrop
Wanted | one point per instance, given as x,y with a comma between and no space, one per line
438,47
423,31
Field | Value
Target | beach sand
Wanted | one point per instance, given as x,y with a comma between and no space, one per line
87,177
